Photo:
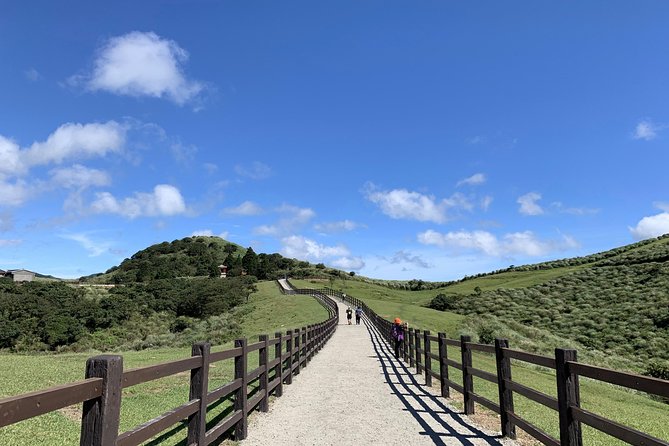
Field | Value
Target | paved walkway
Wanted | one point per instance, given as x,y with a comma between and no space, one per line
354,392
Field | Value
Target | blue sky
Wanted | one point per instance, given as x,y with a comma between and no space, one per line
426,139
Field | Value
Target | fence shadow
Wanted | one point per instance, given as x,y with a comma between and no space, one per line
437,419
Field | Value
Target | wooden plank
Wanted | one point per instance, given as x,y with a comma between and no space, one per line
624,433
100,416
481,347
434,355
263,382
28,405
456,386
467,378
452,342
568,395
630,380
532,394
273,363
485,402
433,373
224,391
482,374
145,374
452,363
434,338
505,394
225,354
199,385
534,431
544,361
253,402
153,427
241,395
221,428
252,376
256,346
443,367
427,359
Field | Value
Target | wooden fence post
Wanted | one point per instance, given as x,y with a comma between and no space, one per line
505,393
241,395
278,369
296,347
100,417
303,344
428,360
264,374
411,347
405,346
467,378
417,348
291,353
568,394
199,388
443,367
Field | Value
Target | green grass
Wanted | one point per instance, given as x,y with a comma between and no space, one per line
626,407
267,311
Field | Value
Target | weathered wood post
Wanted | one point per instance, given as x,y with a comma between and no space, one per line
296,346
568,394
241,364
417,347
303,344
443,366
291,353
428,359
100,417
278,368
411,347
505,393
263,382
199,388
467,378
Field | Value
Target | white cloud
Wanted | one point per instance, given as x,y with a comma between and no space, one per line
10,154
32,75
94,248
256,171
404,204
296,246
646,130
652,226
407,257
247,208
76,141
486,202
142,64
517,243
573,211
8,242
662,205
14,194
474,180
165,200
209,233
79,176
6,221
293,218
336,226
528,204
348,263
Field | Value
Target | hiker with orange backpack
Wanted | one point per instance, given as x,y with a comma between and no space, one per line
398,336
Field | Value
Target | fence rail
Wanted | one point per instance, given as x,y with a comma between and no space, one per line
417,352
100,393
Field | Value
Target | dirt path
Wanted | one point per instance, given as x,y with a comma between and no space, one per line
354,392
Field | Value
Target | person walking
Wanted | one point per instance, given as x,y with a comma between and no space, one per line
349,315
398,336
358,315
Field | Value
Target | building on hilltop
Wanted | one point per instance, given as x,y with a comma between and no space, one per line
19,275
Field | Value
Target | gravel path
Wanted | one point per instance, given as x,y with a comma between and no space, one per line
354,392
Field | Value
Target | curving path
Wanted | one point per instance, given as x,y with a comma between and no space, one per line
354,392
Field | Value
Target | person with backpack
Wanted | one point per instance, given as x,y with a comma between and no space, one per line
398,336
358,315
349,315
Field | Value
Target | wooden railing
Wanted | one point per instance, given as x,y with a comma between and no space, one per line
419,352
100,392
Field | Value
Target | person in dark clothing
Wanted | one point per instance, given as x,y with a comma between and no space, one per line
358,315
349,315
398,336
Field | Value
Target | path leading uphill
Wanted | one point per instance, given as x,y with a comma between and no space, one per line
354,392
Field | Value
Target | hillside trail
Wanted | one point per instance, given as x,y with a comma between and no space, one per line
354,392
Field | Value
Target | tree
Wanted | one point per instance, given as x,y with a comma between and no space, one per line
250,262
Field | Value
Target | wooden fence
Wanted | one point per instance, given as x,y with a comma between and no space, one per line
429,354
101,391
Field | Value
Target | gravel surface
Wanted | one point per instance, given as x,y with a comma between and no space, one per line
354,392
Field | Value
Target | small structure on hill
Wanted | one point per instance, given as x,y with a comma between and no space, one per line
20,275
224,271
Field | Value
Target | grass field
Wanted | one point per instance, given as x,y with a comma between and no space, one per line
267,312
626,407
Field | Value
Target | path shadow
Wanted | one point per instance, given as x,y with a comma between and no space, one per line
438,420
